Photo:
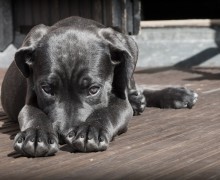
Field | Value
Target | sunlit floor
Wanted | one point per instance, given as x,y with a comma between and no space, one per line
160,143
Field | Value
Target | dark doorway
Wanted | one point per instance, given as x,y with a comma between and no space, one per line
168,10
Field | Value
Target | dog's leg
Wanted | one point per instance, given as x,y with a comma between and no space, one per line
136,98
37,137
171,97
102,125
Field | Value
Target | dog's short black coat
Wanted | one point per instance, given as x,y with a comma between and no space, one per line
73,83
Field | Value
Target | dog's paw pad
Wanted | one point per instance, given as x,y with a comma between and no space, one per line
36,143
137,100
193,100
88,138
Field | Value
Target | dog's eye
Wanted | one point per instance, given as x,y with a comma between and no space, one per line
48,89
94,90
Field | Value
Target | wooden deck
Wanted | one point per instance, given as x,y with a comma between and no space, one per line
160,144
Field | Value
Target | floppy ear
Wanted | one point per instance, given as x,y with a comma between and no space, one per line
23,57
124,54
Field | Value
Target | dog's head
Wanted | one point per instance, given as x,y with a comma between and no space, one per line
72,70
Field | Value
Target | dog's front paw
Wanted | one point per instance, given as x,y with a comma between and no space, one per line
137,100
35,142
88,137
177,98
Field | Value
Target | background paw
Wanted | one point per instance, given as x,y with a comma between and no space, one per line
137,100
177,98
88,138
36,143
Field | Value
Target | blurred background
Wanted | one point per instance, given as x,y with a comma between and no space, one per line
169,33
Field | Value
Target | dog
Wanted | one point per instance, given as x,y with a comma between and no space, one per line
73,83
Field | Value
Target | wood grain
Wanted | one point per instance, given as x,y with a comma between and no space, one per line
159,144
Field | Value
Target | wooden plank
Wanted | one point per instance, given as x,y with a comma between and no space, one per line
107,13
74,7
85,8
54,11
44,12
124,16
117,14
26,22
19,14
129,9
15,7
136,16
36,8
6,24
64,9
97,11
27,13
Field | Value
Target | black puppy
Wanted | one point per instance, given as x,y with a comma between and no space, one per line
73,82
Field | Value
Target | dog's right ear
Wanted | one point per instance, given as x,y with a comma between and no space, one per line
23,57
123,52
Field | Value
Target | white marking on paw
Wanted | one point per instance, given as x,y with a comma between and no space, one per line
185,105
91,141
54,145
81,139
103,143
19,144
195,95
41,144
31,145
69,138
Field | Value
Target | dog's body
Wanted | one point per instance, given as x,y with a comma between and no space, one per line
73,82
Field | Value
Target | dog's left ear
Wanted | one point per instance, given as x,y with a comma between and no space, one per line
124,54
